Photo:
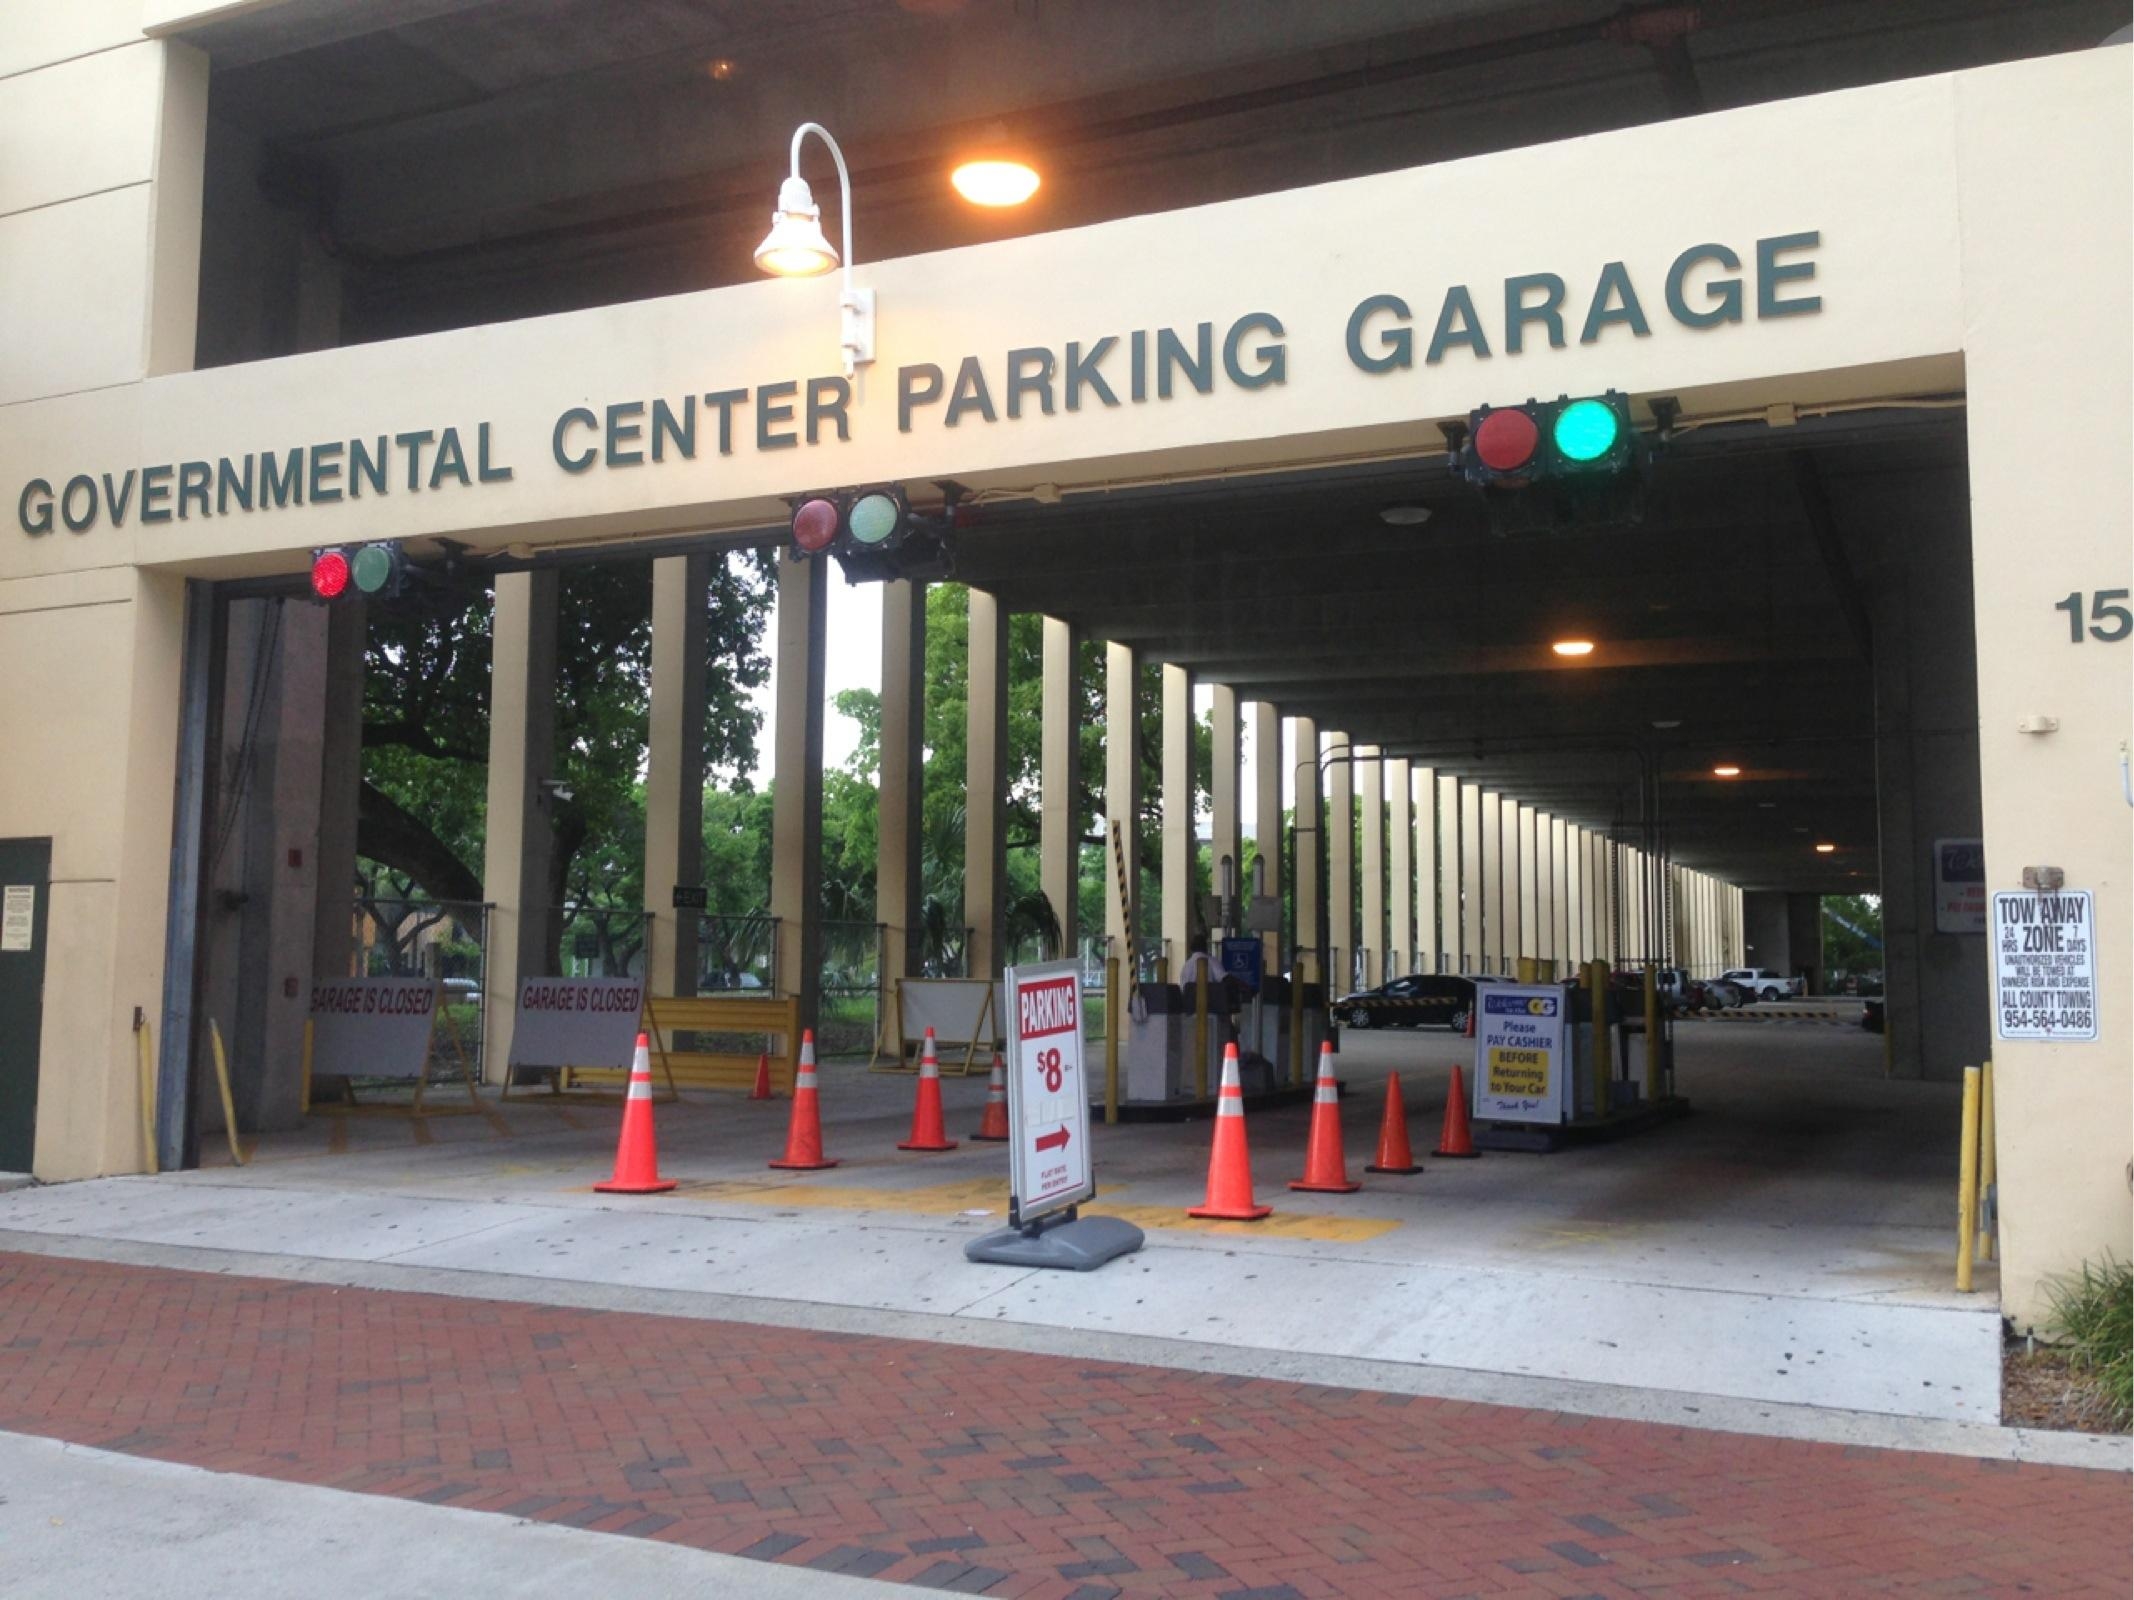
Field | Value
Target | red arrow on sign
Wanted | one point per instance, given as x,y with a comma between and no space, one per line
1053,1141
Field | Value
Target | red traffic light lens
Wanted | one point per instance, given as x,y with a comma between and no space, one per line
814,525
329,574
1506,440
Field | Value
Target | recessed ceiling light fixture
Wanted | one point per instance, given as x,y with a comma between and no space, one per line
995,174
1726,769
1573,647
1826,849
1404,516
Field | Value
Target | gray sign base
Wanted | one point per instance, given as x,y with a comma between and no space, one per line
1074,1243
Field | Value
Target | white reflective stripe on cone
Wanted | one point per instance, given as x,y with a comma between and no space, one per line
1326,1094
640,1086
806,1077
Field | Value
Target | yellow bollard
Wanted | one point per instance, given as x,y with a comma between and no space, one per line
229,1107
147,1069
1603,1066
1653,1079
1200,1031
1111,1039
1967,1184
1987,1228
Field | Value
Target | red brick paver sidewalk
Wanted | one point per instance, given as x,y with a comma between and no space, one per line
987,1472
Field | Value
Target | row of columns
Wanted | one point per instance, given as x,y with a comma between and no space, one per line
1434,873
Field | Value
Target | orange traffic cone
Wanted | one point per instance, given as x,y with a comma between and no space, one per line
803,1139
1326,1167
1457,1139
637,1151
1229,1161
993,1126
1393,1153
927,1131
762,1090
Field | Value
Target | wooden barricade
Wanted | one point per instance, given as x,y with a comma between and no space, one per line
667,1017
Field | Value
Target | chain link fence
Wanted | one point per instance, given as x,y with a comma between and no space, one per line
737,952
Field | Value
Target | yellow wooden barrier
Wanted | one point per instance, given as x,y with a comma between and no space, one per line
669,1015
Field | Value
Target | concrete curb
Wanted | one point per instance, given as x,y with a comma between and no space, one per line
1715,1413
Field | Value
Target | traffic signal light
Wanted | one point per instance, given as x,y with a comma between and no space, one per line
368,571
873,532
1553,462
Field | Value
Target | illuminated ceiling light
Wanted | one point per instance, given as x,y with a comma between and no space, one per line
1826,849
1726,770
1573,647
796,248
1404,516
995,175
719,69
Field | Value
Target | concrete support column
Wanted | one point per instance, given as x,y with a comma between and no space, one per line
1400,870
1474,893
1267,769
1429,943
1302,761
1494,949
1529,943
985,800
1452,939
796,812
1179,842
1340,858
1059,833
1225,783
1574,891
1508,919
1122,803
1371,802
674,771
340,789
520,843
898,882
1559,894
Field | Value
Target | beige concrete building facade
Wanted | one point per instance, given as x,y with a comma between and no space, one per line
1959,234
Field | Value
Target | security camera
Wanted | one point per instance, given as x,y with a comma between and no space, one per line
556,789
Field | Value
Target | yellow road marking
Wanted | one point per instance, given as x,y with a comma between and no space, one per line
1282,1225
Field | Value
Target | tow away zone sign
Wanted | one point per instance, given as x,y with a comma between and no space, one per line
2044,966
1048,1093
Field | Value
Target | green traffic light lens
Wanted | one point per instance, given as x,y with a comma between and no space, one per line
1586,430
372,568
873,518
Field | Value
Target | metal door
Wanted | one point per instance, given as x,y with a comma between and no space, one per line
25,867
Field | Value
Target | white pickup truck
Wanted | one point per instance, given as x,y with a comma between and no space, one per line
1760,984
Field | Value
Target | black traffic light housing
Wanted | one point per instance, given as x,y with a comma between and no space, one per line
1549,464
374,571
873,532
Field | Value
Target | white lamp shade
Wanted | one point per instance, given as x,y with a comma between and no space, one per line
796,246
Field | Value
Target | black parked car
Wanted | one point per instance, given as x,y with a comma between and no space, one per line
1423,1000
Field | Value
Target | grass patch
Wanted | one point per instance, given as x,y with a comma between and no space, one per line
2093,1314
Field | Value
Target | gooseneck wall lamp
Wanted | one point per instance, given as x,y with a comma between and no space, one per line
796,247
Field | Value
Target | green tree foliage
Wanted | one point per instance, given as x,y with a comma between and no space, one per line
426,716
1852,934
